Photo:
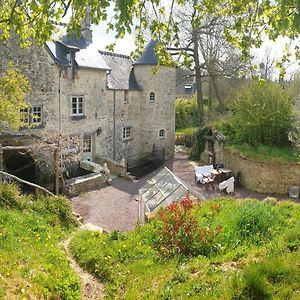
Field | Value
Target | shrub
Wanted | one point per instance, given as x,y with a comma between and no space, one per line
186,113
10,197
199,144
58,210
262,114
179,233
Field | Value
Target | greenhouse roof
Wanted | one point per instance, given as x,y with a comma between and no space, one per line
163,189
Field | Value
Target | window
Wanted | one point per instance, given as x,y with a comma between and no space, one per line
36,115
126,97
32,116
126,133
77,106
87,144
152,97
25,115
162,134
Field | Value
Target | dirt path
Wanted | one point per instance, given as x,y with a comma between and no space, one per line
91,287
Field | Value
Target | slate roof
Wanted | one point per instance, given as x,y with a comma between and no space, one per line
87,57
121,76
121,72
74,40
148,56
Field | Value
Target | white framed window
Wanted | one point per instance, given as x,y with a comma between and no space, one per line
77,106
37,115
162,134
126,133
126,97
152,97
32,116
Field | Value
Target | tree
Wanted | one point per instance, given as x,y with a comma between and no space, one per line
251,19
262,114
13,90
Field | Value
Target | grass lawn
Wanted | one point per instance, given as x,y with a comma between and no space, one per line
243,249
186,131
32,262
265,152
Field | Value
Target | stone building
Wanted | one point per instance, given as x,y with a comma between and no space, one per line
116,108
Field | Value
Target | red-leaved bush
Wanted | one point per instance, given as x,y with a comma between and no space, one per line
179,234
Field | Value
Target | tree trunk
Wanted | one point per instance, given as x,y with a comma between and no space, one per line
198,76
210,94
219,98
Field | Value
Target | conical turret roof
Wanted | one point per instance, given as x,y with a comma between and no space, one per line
148,57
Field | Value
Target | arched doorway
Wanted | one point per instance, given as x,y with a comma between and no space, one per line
20,164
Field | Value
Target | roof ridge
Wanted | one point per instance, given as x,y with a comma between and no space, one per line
114,54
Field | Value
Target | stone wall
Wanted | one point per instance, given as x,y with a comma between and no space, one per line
126,115
159,114
38,67
263,176
91,85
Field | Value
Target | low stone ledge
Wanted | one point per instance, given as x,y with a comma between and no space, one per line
91,166
75,186
114,167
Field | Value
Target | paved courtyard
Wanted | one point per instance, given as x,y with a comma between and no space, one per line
115,207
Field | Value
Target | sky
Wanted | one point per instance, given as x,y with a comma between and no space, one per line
126,45
101,39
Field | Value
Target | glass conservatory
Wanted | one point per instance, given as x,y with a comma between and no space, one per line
161,190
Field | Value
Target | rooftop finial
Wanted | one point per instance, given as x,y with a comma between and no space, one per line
86,31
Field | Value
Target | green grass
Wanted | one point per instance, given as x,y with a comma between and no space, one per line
186,131
256,256
33,264
262,153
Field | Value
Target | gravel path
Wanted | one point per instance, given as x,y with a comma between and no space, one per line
91,287
115,207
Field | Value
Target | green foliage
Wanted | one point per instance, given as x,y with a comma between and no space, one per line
32,263
265,153
13,89
199,145
241,262
187,131
273,276
250,20
261,114
186,113
56,209
253,222
178,233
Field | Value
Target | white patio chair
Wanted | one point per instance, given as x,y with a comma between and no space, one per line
227,185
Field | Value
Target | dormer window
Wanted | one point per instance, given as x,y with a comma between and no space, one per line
152,97
71,58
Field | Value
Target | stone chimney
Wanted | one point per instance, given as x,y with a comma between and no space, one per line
86,31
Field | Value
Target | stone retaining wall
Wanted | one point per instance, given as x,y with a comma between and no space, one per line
263,176
89,182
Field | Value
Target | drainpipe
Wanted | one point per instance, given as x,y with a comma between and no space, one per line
59,99
114,126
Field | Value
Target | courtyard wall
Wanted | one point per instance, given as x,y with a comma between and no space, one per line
263,176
